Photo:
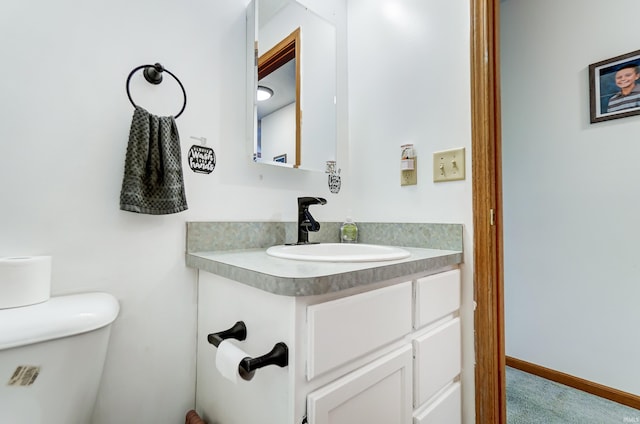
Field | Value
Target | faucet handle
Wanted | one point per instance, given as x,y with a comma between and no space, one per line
309,224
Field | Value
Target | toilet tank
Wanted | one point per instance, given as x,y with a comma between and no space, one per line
51,358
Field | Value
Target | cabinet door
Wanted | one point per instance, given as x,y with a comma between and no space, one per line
378,393
437,359
344,329
445,409
436,296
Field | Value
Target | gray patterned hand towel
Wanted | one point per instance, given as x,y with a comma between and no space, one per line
153,181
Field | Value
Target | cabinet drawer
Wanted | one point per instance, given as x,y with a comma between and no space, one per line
437,360
344,329
445,409
436,296
378,393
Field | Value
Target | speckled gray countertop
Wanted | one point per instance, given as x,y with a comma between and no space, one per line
304,278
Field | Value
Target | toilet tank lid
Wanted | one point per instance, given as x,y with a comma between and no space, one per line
58,317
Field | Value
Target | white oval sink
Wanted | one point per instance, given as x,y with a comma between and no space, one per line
338,252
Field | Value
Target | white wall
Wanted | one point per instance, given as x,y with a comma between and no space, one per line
65,121
279,128
571,193
409,82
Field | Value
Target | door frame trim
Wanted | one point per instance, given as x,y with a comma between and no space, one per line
490,396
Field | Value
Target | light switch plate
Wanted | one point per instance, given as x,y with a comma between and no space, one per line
448,165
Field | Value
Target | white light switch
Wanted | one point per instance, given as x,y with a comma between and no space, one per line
448,165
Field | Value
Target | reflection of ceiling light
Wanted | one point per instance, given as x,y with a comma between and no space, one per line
264,93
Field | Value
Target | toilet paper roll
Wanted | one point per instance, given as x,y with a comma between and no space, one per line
24,280
228,359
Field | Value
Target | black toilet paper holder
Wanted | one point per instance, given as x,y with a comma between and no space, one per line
237,332
279,356
247,367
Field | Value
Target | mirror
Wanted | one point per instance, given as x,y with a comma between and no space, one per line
279,102
292,54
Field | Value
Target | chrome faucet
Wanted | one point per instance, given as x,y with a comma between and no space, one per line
306,222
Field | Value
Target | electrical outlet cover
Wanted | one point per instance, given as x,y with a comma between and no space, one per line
409,176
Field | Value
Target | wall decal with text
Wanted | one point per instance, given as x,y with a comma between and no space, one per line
201,159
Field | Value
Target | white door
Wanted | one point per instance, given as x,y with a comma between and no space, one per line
378,393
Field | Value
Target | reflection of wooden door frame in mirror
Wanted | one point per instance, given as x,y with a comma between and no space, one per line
277,56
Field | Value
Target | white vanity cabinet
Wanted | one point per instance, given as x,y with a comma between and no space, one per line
377,393
437,349
343,330
387,353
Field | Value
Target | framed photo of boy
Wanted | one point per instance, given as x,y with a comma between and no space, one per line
614,87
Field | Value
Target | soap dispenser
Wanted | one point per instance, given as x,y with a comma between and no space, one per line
349,231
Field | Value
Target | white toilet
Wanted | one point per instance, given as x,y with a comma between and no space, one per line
51,358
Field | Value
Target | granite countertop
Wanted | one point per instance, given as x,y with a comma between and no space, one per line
304,278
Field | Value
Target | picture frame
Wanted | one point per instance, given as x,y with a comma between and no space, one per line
280,158
608,100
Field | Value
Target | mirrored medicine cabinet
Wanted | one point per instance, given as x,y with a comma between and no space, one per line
291,57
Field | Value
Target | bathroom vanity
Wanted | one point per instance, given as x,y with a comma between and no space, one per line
368,342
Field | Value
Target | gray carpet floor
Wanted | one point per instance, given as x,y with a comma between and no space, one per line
533,400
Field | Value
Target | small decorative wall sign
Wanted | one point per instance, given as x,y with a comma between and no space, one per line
280,158
201,159
334,180
614,87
